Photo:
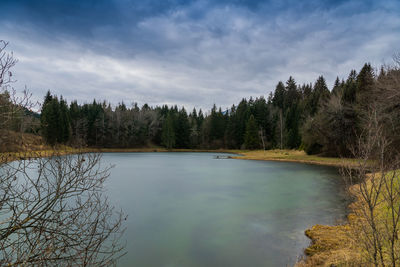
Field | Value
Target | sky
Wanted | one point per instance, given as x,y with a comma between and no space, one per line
191,53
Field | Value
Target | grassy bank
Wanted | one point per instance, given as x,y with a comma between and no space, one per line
348,244
332,246
293,156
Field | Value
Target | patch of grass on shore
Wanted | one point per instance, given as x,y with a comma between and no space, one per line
29,154
342,245
293,156
331,246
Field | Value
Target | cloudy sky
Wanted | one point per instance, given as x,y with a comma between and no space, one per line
192,53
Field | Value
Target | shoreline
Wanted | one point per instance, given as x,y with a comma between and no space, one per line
294,156
267,155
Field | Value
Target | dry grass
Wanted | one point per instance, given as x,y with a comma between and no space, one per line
342,245
293,156
331,246
13,142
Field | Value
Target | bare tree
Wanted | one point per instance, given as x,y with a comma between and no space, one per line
368,189
7,61
375,181
53,210
12,105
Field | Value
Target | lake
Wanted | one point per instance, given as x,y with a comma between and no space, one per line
189,209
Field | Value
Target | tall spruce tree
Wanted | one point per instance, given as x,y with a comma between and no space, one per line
350,88
365,86
50,120
168,133
279,95
320,94
251,139
292,121
182,130
292,94
65,122
337,87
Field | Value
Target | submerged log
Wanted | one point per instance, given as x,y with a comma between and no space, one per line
222,157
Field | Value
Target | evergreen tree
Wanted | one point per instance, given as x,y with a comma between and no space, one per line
262,116
279,95
65,122
251,139
307,99
50,120
78,124
168,133
182,130
365,84
292,94
242,116
48,97
231,127
337,87
217,127
200,119
320,94
292,119
350,88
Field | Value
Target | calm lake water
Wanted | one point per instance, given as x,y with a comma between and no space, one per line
189,209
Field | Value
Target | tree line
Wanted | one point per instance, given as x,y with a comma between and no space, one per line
307,116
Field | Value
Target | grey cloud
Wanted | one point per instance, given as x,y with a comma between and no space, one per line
226,53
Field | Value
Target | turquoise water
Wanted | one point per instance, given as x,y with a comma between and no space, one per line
189,209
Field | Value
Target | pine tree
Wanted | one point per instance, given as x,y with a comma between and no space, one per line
242,116
168,133
337,87
230,135
279,95
65,122
292,125
292,94
217,124
50,119
320,94
350,88
251,139
182,130
365,83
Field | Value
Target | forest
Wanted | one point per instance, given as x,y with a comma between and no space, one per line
308,117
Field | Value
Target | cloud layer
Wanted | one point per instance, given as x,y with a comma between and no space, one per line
192,53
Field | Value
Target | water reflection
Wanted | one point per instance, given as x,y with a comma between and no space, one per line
188,209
